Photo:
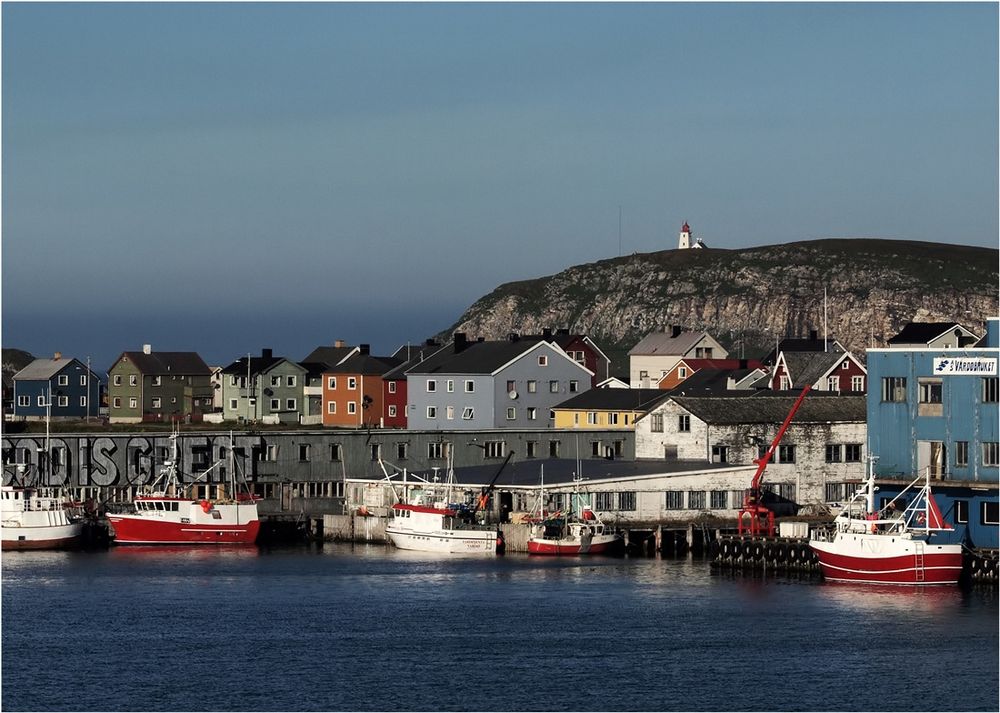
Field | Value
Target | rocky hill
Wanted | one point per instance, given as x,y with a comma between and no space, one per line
749,296
15,359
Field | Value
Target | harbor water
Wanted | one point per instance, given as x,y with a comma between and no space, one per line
357,627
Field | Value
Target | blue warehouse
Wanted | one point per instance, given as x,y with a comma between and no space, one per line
933,410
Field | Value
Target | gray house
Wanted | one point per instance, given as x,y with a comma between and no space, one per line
264,388
502,384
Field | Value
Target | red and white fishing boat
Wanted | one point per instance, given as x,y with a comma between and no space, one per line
572,534
891,546
165,516
35,522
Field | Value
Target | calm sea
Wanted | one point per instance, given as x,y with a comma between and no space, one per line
370,628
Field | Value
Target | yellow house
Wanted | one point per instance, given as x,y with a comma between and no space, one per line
607,408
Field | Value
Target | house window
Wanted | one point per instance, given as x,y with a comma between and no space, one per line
331,407
449,413
511,413
133,380
961,454
592,418
553,449
275,404
852,452
643,374
468,413
696,500
786,454
857,383
531,449
303,451
352,407
684,423
352,383
392,411
834,453
989,513
392,387
532,386
833,383
376,450
450,386
656,423
133,402
494,449
116,402
118,379
961,512
532,412
156,402
574,386
511,386
930,391
83,400
674,500
719,499
784,384
431,386
894,388
845,365
289,404
470,386
435,451
626,501
331,382
682,372
63,380
83,380
335,453
595,449
553,387
64,400
290,380
613,418
275,380
990,389
720,454
543,360
23,400
432,412
991,456
270,453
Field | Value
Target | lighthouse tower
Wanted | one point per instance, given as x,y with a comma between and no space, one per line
684,242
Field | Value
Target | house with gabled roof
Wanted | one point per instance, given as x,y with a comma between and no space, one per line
581,348
838,371
354,392
688,366
933,335
159,386
394,398
812,343
263,389
62,387
332,355
497,384
658,352
607,408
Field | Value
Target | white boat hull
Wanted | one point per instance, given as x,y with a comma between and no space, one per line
445,541
41,537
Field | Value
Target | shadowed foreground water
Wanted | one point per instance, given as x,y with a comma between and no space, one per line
371,628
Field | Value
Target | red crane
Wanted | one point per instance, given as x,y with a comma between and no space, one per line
753,500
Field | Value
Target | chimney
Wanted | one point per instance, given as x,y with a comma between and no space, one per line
364,349
546,333
814,335
265,353
338,343
147,348
461,342
513,337
675,331
57,356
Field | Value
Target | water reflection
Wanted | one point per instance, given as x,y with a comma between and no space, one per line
882,598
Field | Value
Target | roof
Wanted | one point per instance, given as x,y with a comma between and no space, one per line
187,363
807,367
478,357
804,345
365,364
725,364
331,356
313,368
664,344
258,365
817,407
42,369
615,400
924,332
417,354
711,381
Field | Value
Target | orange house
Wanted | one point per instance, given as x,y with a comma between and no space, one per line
353,391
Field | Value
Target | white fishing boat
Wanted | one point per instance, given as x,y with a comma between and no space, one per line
37,522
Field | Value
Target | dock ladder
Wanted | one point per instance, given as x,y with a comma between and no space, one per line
918,557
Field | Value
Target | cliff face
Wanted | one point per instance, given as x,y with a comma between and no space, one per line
750,296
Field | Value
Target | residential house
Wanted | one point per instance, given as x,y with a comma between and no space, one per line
159,386
497,384
612,382
582,349
62,388
933,412
265,389
824,443
796,344
394,397
354,391
658,352
312,393
838,371
933,335
606,408
687,366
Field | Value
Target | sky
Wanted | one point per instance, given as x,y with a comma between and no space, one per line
229,177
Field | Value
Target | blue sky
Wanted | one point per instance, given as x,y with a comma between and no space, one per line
227,177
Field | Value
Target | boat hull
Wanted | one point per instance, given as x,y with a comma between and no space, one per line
884,559
482,542
607,544
133,530
44,537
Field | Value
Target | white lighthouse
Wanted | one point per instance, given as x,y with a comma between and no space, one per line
684,241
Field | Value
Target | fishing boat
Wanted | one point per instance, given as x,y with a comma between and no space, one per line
891,545
166,516
37,522
577,532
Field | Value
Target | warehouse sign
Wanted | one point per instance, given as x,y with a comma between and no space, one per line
965,366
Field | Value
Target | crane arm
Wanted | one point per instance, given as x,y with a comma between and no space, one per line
485,495
766,458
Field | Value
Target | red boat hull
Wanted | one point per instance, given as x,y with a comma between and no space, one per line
941,565
555,547
136,531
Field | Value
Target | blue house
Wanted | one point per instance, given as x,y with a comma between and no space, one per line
933,410
74,389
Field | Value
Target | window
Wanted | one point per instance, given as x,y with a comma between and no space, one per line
450,413
432,412
719,499
857,383
592,418
543,360
852,452
431,386
352,383
156,402
376,450
894,388
553,449
643,374
494,449
990,389
23,400
83,380
989,513
626,501
696,500
289,404
784,384
682,372
961,512
41,401
532,411
604,501
929,391
961,453
270,453
531,449
335,452
468,413
392,387
720,454
511,386
435,451
331,407
786,454
553,387
275,404
833,383
846,364
656,423
532,386
290,380
470,386
83,400
613,418
331,383
402,449
303,451
991,457
133,380
118,379
63,380
116,402
511,413
574,386
275,380
392,411
684,423
595,449
451,386
133,402
674,500
834,453
64,400
352,407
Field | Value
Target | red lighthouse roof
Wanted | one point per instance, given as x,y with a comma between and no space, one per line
685,228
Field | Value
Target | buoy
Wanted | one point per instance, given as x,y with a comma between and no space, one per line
206,506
